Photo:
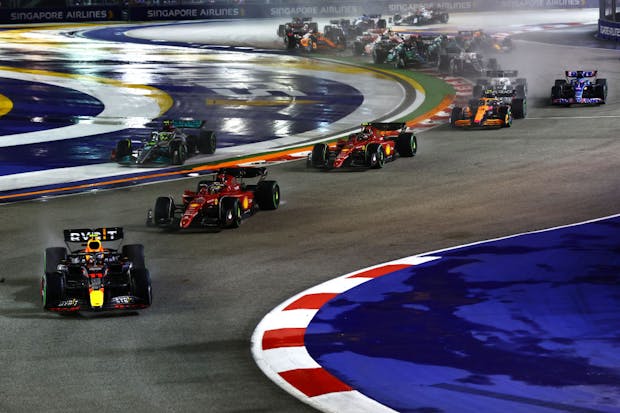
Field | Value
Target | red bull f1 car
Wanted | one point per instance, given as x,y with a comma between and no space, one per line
220,202
579,87
375,144
89,275
486,112
171,145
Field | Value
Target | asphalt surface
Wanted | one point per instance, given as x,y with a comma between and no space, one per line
190,351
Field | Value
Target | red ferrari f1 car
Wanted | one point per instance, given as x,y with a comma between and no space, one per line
377,143
220,202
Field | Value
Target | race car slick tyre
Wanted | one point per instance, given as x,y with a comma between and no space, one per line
192,144
506,116
163,212
231,213
53,257
123,149
140,285
207,142
375,156
457,114
135,254
320,155
52,289
601,89
406,145
477,91
268,195
518,108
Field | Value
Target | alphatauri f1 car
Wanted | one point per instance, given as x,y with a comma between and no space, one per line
220,202
86,276
375,144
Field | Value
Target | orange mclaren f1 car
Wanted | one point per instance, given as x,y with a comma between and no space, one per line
485,112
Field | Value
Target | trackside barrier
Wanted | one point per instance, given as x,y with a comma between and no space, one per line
227,10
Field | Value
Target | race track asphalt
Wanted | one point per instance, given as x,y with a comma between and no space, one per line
190,352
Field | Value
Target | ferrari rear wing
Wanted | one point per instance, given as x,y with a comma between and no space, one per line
244,171
386,126
502,73
580,73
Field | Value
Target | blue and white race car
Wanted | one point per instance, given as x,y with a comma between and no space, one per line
579,87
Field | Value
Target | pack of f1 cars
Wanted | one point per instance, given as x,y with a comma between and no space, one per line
375,144
89,275
578,87
456,61
292,31
171,145
220,202
485,112
507,87
422,16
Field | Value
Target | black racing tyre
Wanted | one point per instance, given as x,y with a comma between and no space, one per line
320,155
381,24
556,92
457,114
519,109
123,148
444,18
135,254
443,65
231,213
478,90
313,26
207,142
163,212
601,88
192,144
268,195
559,82
506,116
406,145
358,48
52,289
375,156
522,81
140,285
281,30
378,56
53,257
492,64
520,91
178,153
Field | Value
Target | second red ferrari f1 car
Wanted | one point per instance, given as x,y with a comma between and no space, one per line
220,202
377,143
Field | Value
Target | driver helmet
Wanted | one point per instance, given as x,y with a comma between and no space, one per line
93,246
168,126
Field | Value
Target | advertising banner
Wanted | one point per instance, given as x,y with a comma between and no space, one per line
82,14
609,30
